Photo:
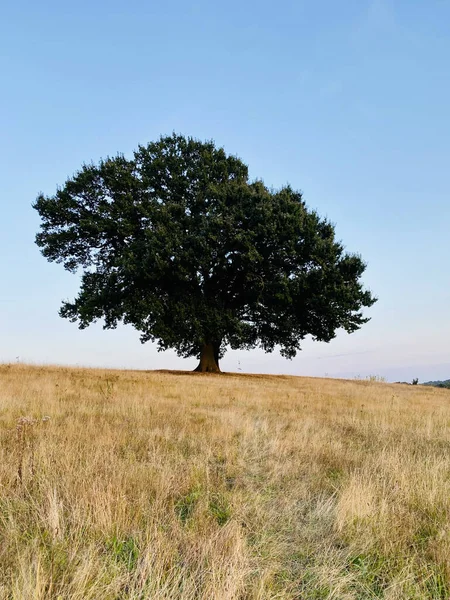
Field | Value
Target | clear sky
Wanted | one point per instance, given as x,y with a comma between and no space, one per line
347,101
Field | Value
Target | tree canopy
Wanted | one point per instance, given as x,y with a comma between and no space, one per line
179,243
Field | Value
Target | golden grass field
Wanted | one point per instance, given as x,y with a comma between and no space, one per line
152,485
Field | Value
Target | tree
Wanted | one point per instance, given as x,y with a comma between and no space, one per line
180,244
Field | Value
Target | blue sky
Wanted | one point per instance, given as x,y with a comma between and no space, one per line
347,101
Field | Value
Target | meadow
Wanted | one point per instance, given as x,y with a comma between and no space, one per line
121,485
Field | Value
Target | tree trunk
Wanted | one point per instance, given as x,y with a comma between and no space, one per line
209,358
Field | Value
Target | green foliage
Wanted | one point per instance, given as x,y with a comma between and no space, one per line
181,245
220,509
125,551
185,505
371,570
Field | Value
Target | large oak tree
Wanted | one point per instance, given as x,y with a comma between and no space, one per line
180,244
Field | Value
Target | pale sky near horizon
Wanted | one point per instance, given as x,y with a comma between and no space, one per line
347,101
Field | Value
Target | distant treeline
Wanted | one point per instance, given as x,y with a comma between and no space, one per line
440,384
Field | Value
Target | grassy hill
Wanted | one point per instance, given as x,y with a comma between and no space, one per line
133,485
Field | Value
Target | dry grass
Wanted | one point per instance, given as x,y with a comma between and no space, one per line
172,486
